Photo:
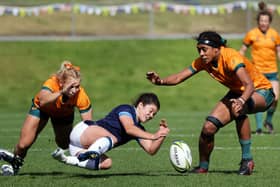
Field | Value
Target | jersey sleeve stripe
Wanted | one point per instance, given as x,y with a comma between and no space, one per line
192,69
125,114
239,66
85,110
46,88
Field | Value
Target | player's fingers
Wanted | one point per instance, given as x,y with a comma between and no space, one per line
233,101
163,123
149,73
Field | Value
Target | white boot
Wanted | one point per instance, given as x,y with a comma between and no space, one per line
72,160
7,170
59,155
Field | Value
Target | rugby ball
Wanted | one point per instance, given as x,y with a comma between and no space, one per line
180,156
7,170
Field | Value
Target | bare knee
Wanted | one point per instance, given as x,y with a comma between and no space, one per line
209,128
106,163
32,126
208,132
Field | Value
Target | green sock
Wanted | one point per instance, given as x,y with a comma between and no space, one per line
259,122
204,164
269,115
245,148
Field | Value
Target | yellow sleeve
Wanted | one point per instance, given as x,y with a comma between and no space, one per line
51,84
277,39
83,101
247,39
197,65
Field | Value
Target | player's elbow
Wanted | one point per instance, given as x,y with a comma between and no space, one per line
151,151
43,103
250,87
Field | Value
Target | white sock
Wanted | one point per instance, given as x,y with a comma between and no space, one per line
101,145
72,160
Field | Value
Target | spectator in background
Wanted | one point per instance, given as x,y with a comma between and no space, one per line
265,42
56,100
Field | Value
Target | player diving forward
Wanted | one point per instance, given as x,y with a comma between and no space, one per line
89,140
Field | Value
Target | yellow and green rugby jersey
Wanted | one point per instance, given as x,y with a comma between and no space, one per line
63,108
263,51
225,69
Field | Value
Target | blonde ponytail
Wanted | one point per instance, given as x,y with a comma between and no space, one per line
67,69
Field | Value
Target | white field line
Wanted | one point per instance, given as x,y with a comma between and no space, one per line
235,148
171,135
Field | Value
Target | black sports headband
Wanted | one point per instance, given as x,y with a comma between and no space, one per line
208,42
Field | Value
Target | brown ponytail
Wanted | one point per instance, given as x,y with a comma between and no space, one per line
264,11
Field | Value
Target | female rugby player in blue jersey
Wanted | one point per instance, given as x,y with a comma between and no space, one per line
89,140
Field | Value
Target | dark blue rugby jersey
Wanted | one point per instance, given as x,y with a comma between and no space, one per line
112,123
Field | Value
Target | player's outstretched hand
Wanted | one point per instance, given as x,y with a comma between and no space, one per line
163,123
153,77
163,128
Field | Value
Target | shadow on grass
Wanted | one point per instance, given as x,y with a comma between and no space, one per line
108,175
227,172
223,171
96,174
209,172
117,175
262,133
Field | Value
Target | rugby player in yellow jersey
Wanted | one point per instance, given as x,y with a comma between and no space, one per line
265,42
56,100
249,92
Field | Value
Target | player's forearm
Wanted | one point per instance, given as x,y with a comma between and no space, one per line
155,146
248,92
170,80
136,132
87,115
243,50
49,98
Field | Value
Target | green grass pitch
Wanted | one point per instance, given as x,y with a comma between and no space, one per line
113,73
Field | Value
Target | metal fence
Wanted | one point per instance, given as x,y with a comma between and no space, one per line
107,18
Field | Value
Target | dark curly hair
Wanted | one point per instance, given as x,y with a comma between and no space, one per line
147,98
